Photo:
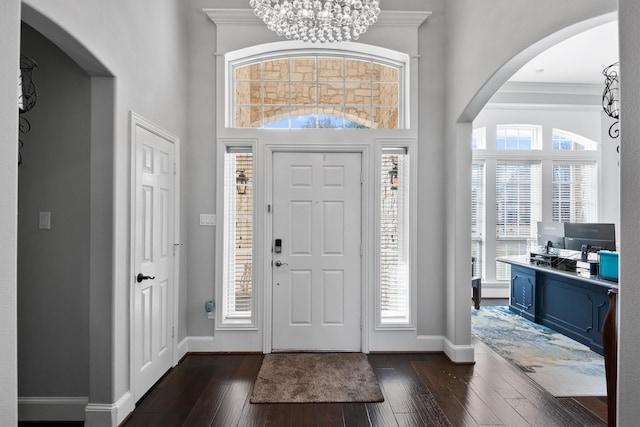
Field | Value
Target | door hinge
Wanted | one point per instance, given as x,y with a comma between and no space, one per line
175,246
269,208
173,332
175,168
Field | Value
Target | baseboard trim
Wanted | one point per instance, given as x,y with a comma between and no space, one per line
463,354
52,408
109,414
182,350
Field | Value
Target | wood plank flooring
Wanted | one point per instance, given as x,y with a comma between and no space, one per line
214,390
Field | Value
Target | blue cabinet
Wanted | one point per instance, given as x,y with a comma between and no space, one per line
523,292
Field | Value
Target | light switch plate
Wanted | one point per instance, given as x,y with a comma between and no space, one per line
208,220
44,221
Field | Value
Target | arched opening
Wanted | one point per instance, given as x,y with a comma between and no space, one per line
67,159
485,95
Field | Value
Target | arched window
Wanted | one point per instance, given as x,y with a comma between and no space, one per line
568,141
317,89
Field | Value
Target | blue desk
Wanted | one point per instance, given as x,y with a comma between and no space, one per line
564,301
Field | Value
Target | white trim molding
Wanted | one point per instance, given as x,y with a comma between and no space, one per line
387,18
459,353
109,414
52,408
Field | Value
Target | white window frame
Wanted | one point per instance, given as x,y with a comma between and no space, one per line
536,135
546,156
352,50
223,320
411,246
588,144
592,216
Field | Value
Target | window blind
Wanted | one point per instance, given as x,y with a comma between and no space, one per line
394,238
477,215
574,192
238,226
517,210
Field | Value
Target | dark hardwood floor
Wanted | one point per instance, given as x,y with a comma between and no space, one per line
213,390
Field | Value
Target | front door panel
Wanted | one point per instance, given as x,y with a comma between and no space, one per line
316,276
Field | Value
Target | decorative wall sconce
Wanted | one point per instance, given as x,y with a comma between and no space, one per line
241,182
393,177
611,97
27,97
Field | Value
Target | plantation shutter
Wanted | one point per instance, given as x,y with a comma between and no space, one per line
477,215
394,238
517,210
238,262
574,192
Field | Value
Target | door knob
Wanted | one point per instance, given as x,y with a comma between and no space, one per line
140,277
279,263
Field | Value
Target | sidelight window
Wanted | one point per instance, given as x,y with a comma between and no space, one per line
395,289
238,276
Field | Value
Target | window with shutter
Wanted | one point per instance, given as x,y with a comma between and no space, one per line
237,304
517,210
477,216
395,290
524,178
574,192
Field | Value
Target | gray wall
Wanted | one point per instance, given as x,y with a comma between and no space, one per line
629,297
53,265
9,47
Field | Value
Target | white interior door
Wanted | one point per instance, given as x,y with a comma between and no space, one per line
153,258
316,274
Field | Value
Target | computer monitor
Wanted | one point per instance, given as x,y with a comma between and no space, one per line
552,232
596,235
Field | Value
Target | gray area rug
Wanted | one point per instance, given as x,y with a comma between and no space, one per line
317,378
562,366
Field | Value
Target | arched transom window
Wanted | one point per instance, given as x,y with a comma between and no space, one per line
317,91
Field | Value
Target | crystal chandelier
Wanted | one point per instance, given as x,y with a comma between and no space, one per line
323,21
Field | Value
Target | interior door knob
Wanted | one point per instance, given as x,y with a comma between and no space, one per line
279,263
140,277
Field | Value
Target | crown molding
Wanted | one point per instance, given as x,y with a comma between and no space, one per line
388,18
552,88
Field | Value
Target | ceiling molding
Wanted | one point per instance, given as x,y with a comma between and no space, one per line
552,88
389,18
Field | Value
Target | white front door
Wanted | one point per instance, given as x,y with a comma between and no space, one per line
153,258
316,271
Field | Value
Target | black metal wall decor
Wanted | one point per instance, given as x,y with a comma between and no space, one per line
27,97
611,97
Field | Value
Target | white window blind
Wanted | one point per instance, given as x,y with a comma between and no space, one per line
518,210
477,215
394,238
574,192
238,238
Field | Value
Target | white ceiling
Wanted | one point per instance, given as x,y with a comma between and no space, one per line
579,59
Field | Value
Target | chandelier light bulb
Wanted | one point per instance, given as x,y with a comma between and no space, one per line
317,20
